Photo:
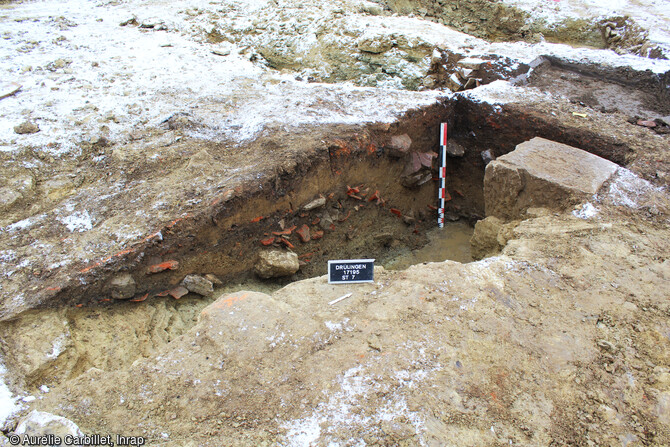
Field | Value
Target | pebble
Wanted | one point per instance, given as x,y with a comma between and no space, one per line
454,149
178,292
58,64
167,265
606,346
436,57
647,123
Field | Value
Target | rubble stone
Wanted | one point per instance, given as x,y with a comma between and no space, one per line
454,149
214,279
371,8
122,287
8,197
276,263
26,128
303,233
198,284
399,145
314,204
178,292
376,45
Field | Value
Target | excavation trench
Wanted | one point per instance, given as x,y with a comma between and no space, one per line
380,199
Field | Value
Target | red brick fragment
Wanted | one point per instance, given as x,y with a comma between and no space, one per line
397,212
286,242
178,292
303,233
647,123
167,265
140,298
285,232
268,241
317,234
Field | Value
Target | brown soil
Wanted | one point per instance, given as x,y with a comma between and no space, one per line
560,340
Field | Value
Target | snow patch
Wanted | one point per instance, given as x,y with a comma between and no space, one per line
502,92
57,346
586,212
8,403
79,221
336,326
331,419
20,225
627,189
653,15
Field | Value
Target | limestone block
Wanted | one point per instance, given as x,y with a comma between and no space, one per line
542,173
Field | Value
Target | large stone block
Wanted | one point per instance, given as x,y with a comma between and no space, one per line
542,173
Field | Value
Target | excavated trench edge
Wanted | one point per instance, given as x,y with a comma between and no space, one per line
240,218
346,156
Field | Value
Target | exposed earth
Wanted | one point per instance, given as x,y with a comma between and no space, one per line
152,152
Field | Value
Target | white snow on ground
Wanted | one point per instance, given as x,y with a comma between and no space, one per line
502,92
57,347
627,189
586,212
8,405
82,72
342,409
78,221
525,52
84,75
653,15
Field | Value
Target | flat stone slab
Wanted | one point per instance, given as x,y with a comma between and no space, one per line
542,173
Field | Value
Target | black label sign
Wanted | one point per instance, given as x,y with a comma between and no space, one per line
351,271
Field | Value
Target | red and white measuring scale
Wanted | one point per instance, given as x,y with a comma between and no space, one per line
442,192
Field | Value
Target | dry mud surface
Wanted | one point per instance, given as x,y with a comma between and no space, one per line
118,154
